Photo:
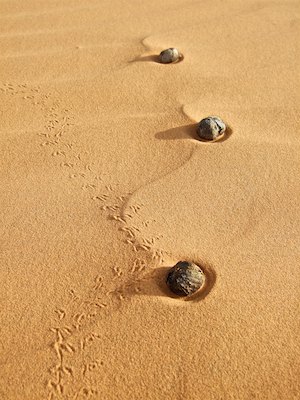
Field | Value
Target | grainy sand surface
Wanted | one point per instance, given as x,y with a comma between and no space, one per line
104,186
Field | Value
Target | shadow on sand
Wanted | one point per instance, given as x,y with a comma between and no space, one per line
153,283
189,132
151,58
154,58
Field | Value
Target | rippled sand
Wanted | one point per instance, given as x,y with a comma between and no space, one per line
104,186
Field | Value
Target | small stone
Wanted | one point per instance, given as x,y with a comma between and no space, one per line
185,278
170,55
211,128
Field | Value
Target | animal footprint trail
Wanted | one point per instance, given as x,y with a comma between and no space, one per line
73,338
58,126
148,244
100,298
61,372
73,334
68,343
21,90
69,323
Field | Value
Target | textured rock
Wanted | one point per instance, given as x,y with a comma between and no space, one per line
211,128
170,55
185,278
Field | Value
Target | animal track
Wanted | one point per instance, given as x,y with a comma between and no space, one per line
61,371
61,314
78,314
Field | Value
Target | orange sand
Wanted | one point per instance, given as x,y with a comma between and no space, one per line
103,186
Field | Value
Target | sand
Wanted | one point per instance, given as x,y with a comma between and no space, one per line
104,186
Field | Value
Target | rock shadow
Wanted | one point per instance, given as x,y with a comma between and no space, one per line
179,133
153,283
151,58
155,58
189,132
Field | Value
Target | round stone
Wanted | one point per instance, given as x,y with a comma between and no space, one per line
185,278
211,128
170,55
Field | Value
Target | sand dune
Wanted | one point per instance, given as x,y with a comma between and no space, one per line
105,186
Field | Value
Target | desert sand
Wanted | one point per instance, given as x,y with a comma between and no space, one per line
104,186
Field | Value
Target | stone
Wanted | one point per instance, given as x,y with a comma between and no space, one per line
211,129
170,55
185,278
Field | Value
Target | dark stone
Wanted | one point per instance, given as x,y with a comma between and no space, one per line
185,278
170,55
211,128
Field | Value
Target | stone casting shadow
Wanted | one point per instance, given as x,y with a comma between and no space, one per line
153,283
188,132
